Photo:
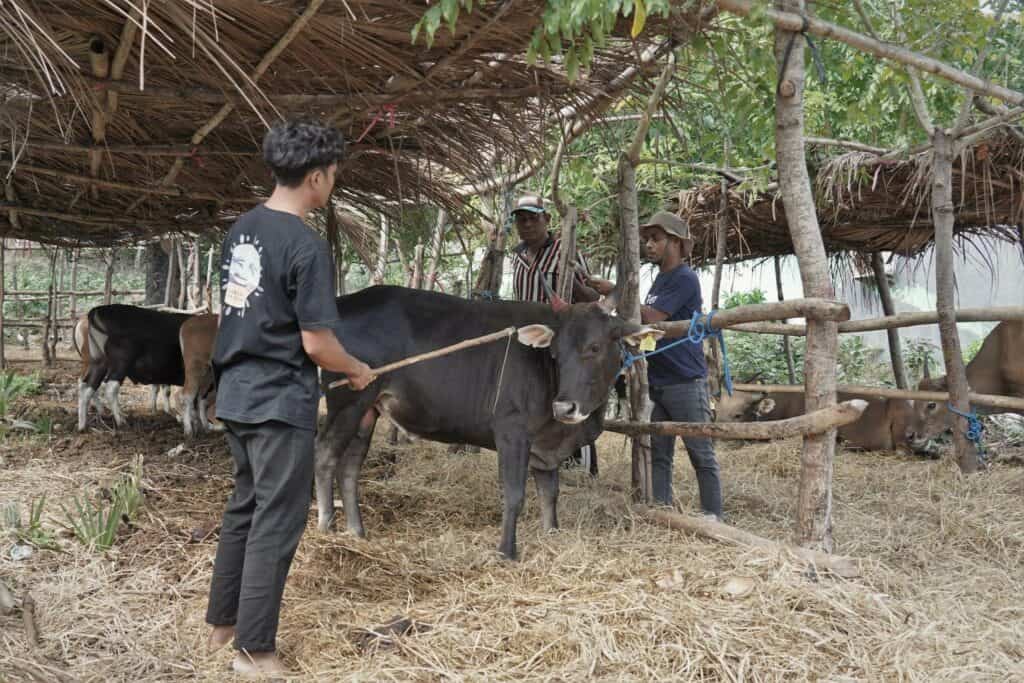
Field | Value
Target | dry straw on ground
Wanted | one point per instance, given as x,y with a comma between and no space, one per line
611,597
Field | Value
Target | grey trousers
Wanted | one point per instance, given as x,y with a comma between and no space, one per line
685,402
262,525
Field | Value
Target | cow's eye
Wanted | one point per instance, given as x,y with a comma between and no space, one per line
932,406
594,348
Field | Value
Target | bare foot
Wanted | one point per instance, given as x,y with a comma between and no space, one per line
258,665
219,637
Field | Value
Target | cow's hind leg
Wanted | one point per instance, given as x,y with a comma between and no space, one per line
340,450
547,494
513,463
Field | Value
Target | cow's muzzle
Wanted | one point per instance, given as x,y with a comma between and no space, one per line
568,412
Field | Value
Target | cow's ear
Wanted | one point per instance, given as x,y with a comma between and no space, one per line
634,334
537,336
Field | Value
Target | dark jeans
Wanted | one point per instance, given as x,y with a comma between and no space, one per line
262,525
684,402
586,457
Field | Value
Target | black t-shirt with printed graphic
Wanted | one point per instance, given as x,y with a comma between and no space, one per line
277,278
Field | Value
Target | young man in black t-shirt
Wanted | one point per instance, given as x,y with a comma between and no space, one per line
277,313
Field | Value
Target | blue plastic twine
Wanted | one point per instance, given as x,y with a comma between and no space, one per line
975,428
698,332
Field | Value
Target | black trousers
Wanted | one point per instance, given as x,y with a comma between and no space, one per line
262,525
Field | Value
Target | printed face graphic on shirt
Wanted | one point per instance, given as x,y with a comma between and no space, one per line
242,280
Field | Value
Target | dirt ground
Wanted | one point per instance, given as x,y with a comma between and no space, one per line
610,597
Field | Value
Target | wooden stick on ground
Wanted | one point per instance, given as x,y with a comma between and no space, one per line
840,566
444,351
816,422
28,615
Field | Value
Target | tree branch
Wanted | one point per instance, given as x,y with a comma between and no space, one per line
794,22
965,106
633,151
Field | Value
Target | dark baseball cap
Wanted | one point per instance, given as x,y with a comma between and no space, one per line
529,202
670,223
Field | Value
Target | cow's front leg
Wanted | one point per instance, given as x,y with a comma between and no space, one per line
547,494
513,463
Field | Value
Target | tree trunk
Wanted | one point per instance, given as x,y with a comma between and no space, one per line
715,364
382,252
436,243
814,505
108,277
567,256
491,273
158,266
786,346
417,266
209,280
895,351
48,322
183,269
629,308
945,296
75,255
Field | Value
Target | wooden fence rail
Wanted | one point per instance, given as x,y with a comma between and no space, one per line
816,422
963,315
991,400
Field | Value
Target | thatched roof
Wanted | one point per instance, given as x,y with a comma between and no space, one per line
99,160
867,205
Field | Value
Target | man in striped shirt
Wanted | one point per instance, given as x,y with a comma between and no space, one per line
535,261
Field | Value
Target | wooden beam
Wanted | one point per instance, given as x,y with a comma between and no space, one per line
1002,402
963,315
108,220
157,150
790,21
815,422
261,68
836,564
822,309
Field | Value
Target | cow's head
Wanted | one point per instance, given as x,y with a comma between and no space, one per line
929,419
585,345
739,407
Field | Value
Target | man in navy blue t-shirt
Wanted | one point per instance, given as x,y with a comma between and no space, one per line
678,376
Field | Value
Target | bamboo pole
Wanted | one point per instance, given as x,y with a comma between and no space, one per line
889,308
75,255
437,353
817,421
963,315
179,250
382,252
108,277
48,320
1008,403
837,564
170,272
436,242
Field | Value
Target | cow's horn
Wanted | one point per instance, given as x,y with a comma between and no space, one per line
557,302
609,303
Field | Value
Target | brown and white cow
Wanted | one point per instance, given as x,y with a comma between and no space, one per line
997,369
884,425
197,337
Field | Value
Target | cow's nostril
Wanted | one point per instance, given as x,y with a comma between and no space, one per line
563,408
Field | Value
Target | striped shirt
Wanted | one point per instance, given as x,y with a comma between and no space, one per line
527,276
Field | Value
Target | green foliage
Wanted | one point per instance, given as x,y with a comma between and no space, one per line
13,386
972,350
96,524
917,353
754,296
33,533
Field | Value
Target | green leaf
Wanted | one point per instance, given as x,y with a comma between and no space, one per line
639,18
572,65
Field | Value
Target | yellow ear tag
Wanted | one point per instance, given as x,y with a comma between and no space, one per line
648,343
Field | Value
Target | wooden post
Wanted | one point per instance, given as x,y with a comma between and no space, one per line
48,322
108,278
382,252
417,266
567,256
209,280
786,346
814,504
721,234
895,352
945,304
436,243
628,303
196,291
55,317
488,278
